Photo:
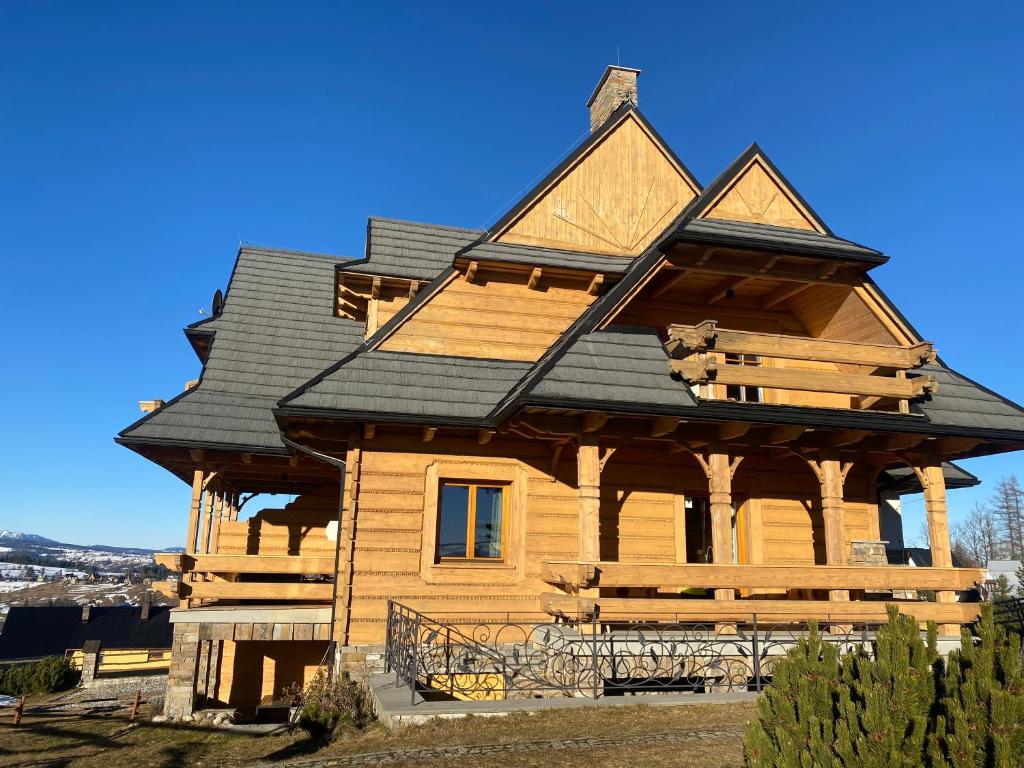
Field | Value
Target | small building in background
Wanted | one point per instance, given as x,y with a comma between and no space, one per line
1007,568
132,639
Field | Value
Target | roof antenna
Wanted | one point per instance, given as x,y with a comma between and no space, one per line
618,62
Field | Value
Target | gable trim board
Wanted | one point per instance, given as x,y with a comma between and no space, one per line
576,159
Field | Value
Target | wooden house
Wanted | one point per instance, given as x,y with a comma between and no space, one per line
634,397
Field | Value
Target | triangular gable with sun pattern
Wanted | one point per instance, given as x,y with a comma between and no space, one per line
615,194
754,191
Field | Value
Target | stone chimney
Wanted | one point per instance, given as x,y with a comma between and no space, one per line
86,610
145,607
618,84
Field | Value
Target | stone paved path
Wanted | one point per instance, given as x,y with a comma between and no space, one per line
437,753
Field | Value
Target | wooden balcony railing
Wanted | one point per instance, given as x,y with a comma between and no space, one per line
572,576
576,575
878,369
237,577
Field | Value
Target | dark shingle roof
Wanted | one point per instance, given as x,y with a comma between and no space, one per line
768,236
692,228
547,257
620,365
32,632
960,402
410,249
400,383
276,331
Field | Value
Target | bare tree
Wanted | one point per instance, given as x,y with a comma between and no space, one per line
1006,504
976,539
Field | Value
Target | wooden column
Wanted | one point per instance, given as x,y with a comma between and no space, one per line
209,504
831,474
219,512
929,473
346,537
589,481
193,516
719,470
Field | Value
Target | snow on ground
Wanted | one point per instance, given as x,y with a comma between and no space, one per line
17,570
11,586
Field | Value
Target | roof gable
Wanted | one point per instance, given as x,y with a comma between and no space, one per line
753,190
615,194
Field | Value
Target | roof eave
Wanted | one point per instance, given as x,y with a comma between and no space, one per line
870,259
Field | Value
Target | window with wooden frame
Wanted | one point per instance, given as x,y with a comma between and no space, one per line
742,393
472,521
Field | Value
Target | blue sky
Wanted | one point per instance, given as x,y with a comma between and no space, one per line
140,142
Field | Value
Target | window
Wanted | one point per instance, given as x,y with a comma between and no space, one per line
742,393
471,523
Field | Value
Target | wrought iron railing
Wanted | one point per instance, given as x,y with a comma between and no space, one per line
474,657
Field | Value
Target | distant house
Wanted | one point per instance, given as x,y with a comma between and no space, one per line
35,632
1007,568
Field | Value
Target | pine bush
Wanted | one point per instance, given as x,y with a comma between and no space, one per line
886,698
48,675
980,717
797,711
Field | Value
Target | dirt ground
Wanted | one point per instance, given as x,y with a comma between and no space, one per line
704,735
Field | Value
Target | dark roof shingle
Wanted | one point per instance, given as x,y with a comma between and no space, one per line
415,385
626,366
743,233
410,249
960,402
277,330
547,257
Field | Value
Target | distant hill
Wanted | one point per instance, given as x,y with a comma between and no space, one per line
19,550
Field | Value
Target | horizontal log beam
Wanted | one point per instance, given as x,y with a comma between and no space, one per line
803,380
768,611
252,590
656,575
176,561
707,335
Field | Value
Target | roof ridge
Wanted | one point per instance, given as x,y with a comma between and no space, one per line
272,250
390,220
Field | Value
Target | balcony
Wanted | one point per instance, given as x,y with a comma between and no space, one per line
582,586
730,364
248,577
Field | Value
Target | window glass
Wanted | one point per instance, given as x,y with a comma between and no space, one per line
740,392
487,537
454,520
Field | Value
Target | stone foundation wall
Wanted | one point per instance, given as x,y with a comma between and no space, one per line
361,661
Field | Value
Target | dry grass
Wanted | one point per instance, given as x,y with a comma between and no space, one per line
106,741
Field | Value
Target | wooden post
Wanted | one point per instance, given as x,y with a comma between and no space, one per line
346,538
934,485
220,510
193,517
209,500
19,709
135,706
720,473
832,474
588,461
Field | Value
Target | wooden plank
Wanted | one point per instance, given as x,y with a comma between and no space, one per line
804,380
251,590
614,574
768,611
796,348
245,563
615,198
